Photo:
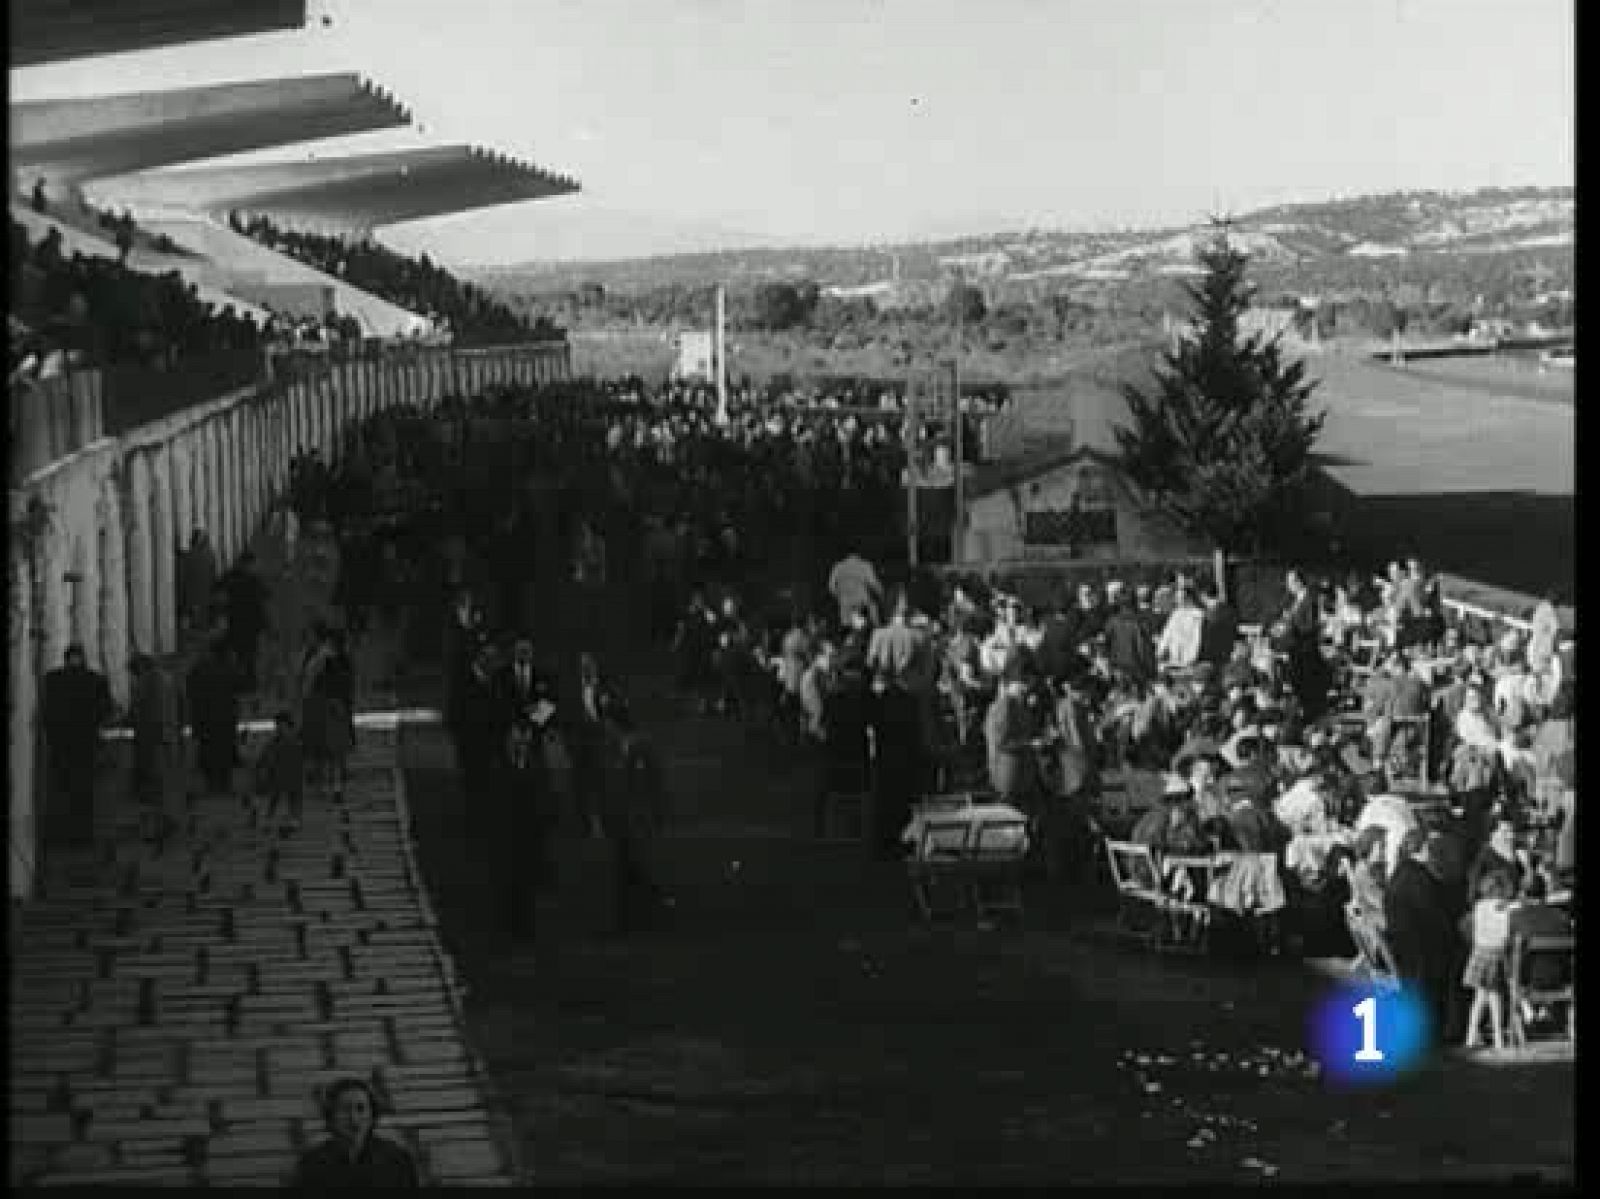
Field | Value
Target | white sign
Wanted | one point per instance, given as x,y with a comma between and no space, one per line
696,356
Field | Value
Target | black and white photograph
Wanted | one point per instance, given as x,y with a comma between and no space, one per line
792,593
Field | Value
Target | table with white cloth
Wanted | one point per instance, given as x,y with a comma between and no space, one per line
971,814
1307,853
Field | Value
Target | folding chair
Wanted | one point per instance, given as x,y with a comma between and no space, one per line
1558,954
1141,899
999,848
941,860
945,803
1189,882
1374,959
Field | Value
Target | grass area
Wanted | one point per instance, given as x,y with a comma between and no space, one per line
794,1023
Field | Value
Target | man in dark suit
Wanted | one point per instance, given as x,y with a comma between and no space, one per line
632,812
76,703
900,771
213,695
1420,933
584,730
1218,630
518,822
478,725
1129,646
245,597
1299,637
1058,655
521,686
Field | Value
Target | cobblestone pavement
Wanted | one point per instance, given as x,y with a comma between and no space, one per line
174,1003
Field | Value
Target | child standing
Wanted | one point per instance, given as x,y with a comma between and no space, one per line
1485,974
280,770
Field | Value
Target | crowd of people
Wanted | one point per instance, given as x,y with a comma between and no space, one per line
1378,755
467,313
81,309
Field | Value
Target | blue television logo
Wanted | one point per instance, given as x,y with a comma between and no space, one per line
1370,1034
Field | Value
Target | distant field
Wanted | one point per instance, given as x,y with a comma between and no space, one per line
650,354
1509,374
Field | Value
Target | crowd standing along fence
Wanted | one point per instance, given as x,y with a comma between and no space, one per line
97,529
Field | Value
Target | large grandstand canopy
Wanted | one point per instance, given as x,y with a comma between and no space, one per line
45,31
71,141
351,192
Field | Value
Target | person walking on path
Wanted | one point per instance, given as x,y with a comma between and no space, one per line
76,704
280,771
156,715
517,823
326,722
213,693
197,577
633,811
245,596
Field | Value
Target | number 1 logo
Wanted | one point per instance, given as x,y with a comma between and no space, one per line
1367,1013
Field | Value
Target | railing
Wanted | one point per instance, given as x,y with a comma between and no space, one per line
52,418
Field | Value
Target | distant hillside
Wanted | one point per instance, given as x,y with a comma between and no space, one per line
1306,245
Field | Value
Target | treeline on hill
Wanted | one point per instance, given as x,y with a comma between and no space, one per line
1425,294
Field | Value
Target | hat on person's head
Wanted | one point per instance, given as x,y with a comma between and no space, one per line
1174,787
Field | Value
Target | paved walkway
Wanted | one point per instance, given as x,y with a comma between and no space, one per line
174,1005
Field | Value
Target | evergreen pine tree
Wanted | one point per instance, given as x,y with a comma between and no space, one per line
1223,439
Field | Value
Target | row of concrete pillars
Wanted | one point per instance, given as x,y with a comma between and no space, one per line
97,536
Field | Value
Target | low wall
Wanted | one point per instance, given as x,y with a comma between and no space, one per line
96,535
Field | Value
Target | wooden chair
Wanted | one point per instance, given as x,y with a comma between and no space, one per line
943,805
1188,883
939,866
1374,959
999,848
1557,952
1141,898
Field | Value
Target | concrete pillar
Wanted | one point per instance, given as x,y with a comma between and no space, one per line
216,430
292,420
53,563
113,591
302,417
22,700
140,563
216,443
182,467
237,486
84,580
249,446
199,490
212,516
164,534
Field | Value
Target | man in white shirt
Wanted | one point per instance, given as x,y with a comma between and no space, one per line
1179,643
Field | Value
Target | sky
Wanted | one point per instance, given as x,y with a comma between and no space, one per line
698,124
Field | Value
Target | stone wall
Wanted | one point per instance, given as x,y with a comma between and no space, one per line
96,535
